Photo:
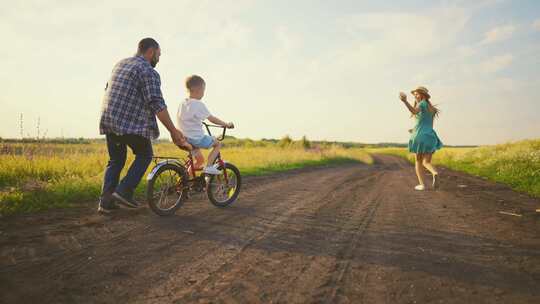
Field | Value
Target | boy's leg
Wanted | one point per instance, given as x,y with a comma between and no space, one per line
212,158
117,159
199,158
142,148
214,153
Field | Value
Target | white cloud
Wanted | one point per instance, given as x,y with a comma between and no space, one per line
466,51
536,24
498,34
406,34
497,63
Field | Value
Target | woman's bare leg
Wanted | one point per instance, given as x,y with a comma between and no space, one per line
418,167
431,168
427,163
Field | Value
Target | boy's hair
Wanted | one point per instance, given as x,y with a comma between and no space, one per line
194,81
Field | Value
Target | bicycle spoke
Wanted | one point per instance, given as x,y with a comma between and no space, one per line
167,195
222,189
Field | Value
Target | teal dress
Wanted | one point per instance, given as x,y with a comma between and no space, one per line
423,138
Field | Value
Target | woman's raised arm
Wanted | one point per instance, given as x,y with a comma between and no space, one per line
412,109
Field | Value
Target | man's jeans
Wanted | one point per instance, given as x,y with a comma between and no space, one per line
117,146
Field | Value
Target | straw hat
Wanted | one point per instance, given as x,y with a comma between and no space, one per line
422,90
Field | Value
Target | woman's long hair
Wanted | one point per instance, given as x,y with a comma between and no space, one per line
431,108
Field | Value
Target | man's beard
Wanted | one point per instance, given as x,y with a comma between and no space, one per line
154,61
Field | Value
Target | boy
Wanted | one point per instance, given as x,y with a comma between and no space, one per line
191,113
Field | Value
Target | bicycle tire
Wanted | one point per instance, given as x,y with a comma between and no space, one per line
233,198
183,192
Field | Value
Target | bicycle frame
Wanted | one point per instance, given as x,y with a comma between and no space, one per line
192,171
188,164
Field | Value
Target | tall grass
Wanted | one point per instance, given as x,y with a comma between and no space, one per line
515,164
41,176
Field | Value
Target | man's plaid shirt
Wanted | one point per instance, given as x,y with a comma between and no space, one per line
132,99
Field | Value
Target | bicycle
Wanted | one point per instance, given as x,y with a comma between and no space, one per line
173,180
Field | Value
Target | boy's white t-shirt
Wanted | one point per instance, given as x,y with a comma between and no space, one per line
191,114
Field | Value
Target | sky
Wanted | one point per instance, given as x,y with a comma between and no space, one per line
329,70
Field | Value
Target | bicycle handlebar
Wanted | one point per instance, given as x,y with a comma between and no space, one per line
208,126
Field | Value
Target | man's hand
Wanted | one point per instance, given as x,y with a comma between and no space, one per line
179,139
230,125
402,96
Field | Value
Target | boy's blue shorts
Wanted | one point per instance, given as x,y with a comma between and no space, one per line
203,142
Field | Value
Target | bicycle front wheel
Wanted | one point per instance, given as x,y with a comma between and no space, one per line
223,192
167,190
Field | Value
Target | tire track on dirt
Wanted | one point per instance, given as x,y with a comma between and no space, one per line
292,204
434,246
64,261
363,219
254,186
243,265
354,203
343,234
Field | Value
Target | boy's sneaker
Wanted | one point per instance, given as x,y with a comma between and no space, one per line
211,170
420,188
126,201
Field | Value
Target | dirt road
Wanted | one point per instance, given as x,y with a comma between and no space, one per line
342,234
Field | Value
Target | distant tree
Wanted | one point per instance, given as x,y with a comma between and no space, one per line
285,141
306,144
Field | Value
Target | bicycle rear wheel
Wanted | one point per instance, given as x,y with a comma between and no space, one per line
222,193
167,190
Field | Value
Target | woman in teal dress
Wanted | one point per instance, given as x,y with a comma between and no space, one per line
424,141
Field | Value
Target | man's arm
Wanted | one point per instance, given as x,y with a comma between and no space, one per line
165,119
151,91
177,136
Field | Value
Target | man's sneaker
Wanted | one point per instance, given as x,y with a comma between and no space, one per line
107,204
211,170
105,210
128,202
420,188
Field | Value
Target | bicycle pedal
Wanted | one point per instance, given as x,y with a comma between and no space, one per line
197,195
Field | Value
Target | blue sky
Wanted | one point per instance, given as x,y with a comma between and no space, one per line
328,70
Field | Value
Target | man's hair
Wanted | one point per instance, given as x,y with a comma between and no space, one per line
194,81
145,44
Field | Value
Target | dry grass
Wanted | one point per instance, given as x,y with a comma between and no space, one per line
40,176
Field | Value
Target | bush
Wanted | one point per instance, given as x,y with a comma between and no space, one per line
285,142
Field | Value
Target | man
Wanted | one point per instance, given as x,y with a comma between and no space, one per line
131,103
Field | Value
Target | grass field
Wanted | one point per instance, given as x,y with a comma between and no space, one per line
515,164
39,176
